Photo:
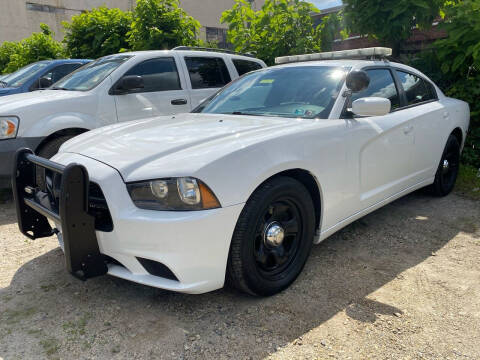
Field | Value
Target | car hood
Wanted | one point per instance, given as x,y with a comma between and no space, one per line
8,91
173,145
14,104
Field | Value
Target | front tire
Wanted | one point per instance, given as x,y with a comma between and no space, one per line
273,238
447,170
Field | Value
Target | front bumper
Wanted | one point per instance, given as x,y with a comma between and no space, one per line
193,245
8,148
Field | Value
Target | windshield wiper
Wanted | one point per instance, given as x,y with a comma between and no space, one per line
57,88
243,113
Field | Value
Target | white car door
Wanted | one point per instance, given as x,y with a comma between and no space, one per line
428,116
206,74
381,147
164,91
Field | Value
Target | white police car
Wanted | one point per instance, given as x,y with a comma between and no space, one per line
242,187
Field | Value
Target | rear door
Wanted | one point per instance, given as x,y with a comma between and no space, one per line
206,74
428,117
164,91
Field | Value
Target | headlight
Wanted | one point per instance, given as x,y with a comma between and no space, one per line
185,193
8,127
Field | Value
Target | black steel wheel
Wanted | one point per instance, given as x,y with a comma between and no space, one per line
272,238
447,171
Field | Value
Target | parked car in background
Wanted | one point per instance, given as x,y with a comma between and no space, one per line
38,75
112,89
242,187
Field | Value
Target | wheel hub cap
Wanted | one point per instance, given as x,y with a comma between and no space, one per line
446,165
274,234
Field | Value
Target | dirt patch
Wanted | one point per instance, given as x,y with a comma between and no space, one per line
402,282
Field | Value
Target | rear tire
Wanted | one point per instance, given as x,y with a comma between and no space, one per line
447,170
273,238
47,151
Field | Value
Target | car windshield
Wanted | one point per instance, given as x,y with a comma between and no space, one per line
90,75
292,92
21,76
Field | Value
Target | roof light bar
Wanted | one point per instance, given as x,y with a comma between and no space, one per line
373,52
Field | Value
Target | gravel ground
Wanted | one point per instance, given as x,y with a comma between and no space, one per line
401,283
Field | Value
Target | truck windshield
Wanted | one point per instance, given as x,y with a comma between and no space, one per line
292,92
90,75
21,76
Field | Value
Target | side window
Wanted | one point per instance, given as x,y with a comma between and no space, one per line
245,66
61,71
207,72
416,89
158,74
381,85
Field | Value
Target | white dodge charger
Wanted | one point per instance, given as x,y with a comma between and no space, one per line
241,188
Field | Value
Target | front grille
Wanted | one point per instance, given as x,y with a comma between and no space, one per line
97,204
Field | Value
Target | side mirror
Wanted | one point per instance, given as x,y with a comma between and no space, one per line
129,83
371,106
44,83
357,80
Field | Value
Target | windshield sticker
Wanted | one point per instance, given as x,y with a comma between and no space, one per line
267,81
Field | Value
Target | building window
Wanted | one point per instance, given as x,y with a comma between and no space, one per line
44,8
217,35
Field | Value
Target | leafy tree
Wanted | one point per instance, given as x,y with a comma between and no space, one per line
161,24
390,22
39,46
99,32
280,27
459,53
331,28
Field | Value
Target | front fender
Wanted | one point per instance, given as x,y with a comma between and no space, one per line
52,124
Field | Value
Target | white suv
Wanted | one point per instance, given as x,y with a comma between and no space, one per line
112,89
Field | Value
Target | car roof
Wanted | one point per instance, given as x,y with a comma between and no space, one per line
151,53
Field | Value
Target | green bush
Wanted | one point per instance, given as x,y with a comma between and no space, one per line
39,46
99,32
161,24
280,27
7,49
459,59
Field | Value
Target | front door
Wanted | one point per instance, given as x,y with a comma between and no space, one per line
162,94
381,147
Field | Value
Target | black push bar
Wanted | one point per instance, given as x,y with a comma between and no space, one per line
35,205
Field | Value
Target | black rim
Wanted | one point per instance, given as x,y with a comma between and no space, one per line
449,167
273,260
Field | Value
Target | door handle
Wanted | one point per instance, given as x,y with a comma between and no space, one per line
408,129
179,102
445,114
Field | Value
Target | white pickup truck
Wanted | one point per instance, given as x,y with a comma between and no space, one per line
115,88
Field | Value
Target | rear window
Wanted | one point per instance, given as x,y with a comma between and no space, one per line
207,72
416,89
245,66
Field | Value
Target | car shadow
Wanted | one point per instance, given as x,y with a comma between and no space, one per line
339,275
